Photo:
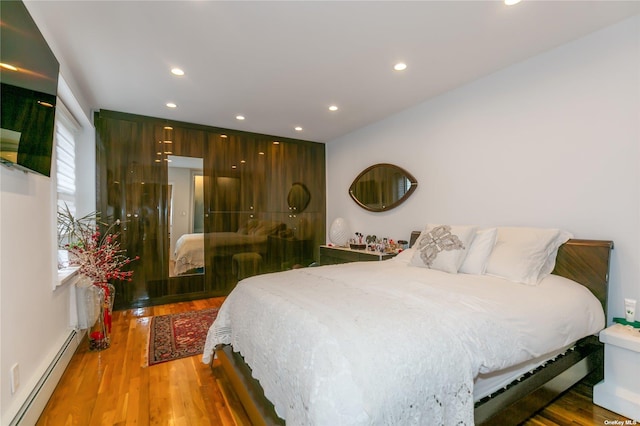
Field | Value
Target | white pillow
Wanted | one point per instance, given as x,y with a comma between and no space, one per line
550,263
521,253
443,247
479,252
404,256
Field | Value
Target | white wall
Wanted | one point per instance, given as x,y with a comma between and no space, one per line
34,313
552,142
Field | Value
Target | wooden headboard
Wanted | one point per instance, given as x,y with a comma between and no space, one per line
583,261
586,262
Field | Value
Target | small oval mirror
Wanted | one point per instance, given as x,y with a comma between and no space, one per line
299,197
382,187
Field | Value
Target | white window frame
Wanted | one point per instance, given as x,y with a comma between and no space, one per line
64,186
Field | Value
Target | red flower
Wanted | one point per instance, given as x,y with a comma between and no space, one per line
101,259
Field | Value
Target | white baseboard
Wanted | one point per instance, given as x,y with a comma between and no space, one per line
33,406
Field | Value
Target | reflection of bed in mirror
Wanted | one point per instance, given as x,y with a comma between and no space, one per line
189,254
186,214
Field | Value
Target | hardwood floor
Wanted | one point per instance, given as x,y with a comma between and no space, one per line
575,407
113,387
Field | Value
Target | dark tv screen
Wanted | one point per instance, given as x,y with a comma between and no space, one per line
29,84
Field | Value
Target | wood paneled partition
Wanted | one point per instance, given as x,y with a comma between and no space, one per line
249,224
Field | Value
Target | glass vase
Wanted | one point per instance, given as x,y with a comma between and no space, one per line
100,332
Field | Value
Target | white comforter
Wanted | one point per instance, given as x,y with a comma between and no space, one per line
382,343
189,253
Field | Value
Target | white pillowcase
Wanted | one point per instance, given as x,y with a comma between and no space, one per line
479,252
404,256
550,263
525,254
443,247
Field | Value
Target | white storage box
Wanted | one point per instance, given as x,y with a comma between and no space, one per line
620,390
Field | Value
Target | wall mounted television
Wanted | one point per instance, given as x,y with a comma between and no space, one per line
29,85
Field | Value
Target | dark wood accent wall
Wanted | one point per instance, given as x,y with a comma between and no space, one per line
246,176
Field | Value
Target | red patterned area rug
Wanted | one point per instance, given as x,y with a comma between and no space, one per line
178,336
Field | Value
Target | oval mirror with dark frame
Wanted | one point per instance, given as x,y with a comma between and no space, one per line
382,187
298,197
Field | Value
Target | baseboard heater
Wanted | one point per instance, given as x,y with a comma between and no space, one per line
39,396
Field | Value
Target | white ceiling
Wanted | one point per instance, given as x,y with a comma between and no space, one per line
282,63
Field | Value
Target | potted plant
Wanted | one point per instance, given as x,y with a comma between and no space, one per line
98,256
71,232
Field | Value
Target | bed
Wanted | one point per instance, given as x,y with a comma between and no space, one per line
189,253
395,342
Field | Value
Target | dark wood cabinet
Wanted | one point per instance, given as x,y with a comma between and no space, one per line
330,255
246,177
289,252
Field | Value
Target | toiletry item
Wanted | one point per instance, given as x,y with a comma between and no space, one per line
630,309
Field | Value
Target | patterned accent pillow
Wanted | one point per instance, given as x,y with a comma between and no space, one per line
443,247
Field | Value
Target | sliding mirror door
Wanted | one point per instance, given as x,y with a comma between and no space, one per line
186,215
185,227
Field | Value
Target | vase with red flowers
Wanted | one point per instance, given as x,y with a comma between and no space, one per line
100,331
99,257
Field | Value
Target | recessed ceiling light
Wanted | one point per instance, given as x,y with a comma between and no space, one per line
511,2
333,108
8,67
171,105
177,71
240,117
298,129
400,66
223,136
276,142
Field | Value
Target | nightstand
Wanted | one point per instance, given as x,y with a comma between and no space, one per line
331,255
620,389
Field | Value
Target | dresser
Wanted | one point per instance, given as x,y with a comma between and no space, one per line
331,255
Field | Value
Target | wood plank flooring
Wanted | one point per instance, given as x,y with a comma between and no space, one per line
113,387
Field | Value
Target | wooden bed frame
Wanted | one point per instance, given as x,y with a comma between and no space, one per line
584,261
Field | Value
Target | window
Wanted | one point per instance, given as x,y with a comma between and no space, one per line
66,128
